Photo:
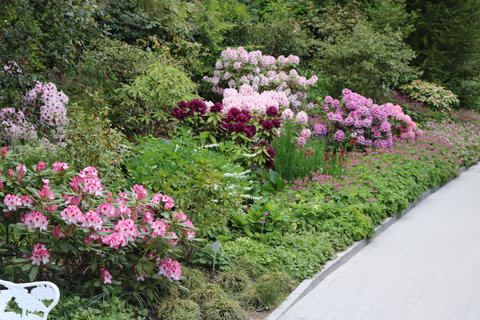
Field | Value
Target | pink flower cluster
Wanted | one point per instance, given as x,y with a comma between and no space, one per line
360,120
40,255
12,68
248,99
14,126
53,111
131,221
170,269
22,124
406,129
238,67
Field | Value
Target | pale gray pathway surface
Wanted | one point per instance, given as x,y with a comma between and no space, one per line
425,266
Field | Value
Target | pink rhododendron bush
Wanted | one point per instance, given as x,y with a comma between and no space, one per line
66,226
275,79
43,115
359,120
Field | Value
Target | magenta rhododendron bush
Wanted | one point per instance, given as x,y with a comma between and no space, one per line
66,224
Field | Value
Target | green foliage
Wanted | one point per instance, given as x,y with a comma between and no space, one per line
234,280
179,309
269,290
224,309
91,141
447,42
105,68
366,61
44,36
356,53
206,184
279,32
77,308
148,100
430,94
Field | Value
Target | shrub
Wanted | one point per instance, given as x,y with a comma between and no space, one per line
357,55
46,36
148,100
91,141
430,94
82,233
43,115
77,308
104,69
238,67
205,183
358,120
247,132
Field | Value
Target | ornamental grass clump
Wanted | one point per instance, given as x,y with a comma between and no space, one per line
63,226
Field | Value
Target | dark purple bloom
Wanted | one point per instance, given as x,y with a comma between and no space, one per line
271,152
217,107
234,111
228,126
270,164
272,112
277,123
267,124
182,104
179,113
242,118
240,127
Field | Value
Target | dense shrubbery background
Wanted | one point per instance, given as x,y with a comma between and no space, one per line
238,110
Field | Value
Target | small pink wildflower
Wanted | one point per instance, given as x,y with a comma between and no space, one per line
40,166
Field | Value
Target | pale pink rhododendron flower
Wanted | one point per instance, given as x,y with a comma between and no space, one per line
159,229
92,220
106,276
59,166
35,220
173,238
11,201
139,192
128,228
40,255
170,269
72,215
115,240
106,209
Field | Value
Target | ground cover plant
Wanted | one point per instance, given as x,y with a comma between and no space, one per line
198,159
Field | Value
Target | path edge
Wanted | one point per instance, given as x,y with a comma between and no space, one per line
308,285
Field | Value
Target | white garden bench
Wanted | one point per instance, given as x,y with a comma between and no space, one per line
35,300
